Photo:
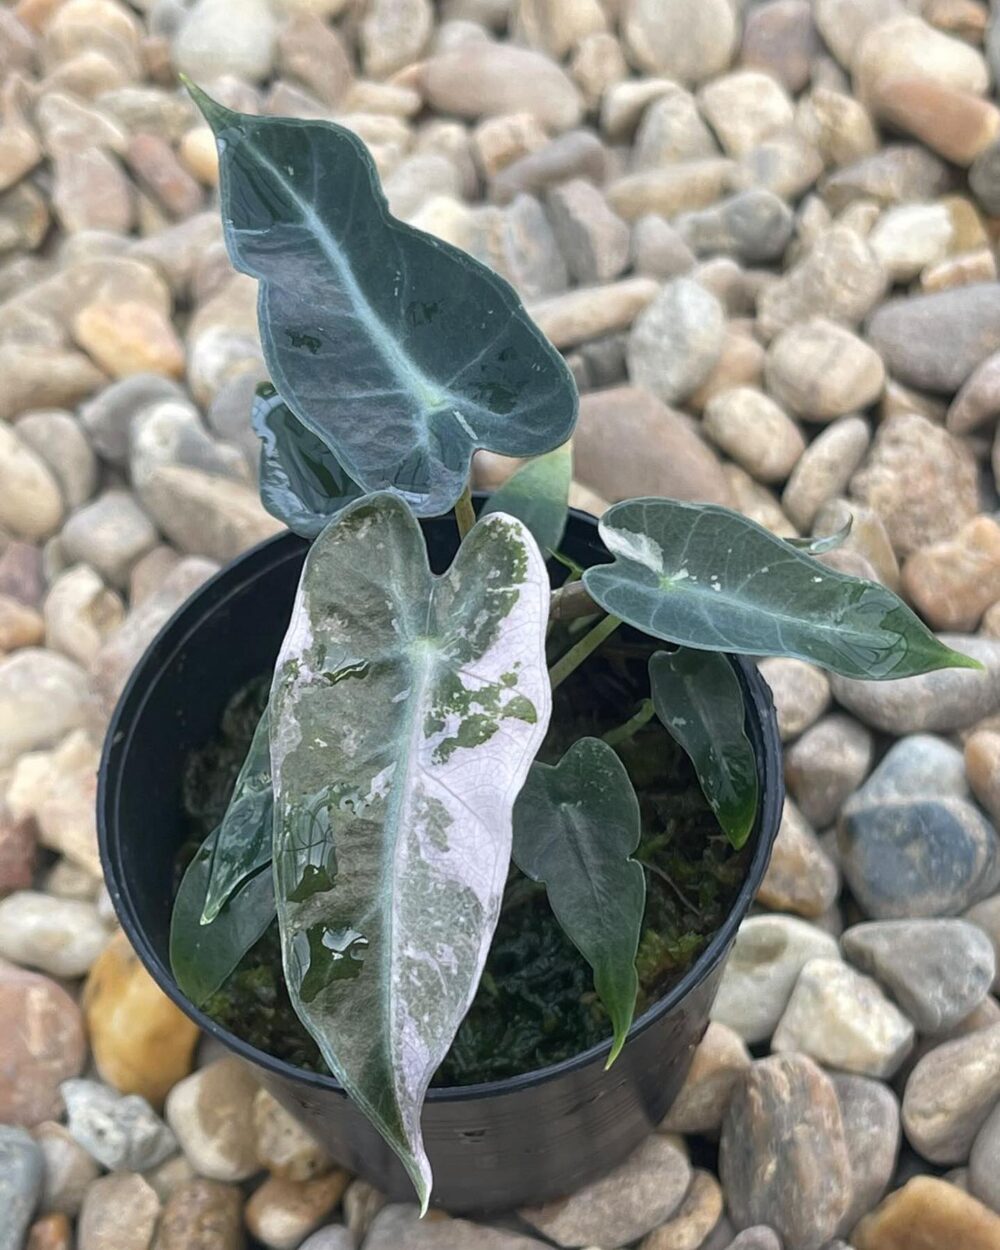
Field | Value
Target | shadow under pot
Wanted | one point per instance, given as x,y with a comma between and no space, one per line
495,1145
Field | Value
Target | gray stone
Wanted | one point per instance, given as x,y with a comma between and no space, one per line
934,342
694,1220
333,1237
826,765
122,1132
984,179
843,1021
870,1114
763,966
206,515
950,1094
69,1169
759,1237
897,174
397,1226
691,40
781,38
984,1162
43,696
986,916
209,44
21,1170
579,154
58,440
783,1155
635,1197
676,342
170,432
755,226
937,970
594,240
110,534
939,702
108,417
658,250
824,470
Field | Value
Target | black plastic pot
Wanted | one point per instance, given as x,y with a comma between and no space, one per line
492,1146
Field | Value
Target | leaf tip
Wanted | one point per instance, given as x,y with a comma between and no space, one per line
212,111
617,1047
955,659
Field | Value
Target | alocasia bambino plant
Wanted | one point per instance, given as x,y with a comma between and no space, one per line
393,774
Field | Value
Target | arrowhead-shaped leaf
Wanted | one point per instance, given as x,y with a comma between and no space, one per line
576,826
401,353
203,955
698,699
405,713
704,577
242,843
301,481
538,494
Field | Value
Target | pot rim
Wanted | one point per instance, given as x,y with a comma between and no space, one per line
119,738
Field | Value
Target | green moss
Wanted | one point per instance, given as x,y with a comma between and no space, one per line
536,1004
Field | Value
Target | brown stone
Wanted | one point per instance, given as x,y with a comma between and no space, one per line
718,1065
91,192
801,878
119,1213
283,1213
18,852
920,480
158,171
20,625
51,1232
953,582
978,402
783,1158
21,574
126,338
590,312
955,124
675,189
201,1215
929,1214
982,767
41,1045
950,1093
629,444
142,1043
693,1220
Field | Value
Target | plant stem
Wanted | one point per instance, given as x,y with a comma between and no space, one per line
571,601
624,732
658,872
465,513
579,652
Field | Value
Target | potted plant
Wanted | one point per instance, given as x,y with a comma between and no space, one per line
476,819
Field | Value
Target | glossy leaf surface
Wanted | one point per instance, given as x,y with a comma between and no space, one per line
203,955
301,481
406,710
704,577
538,494
400,352
698,700
242,843
820,544
576,826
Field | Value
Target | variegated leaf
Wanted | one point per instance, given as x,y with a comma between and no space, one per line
406,710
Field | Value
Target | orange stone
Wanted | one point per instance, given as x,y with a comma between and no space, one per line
928,1214
142,1043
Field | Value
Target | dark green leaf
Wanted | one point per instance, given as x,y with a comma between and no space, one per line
704,577
203,955
242,842
301,482
401,353
576,825
698,699
405,713
538,494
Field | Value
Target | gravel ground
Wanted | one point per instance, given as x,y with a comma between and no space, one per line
764,236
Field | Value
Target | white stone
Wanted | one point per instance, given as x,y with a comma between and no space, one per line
60,936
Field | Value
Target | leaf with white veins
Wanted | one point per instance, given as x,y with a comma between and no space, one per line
576,826
701,576
405,712
400,352
699,702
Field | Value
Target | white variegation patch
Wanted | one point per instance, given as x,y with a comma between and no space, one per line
401,740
